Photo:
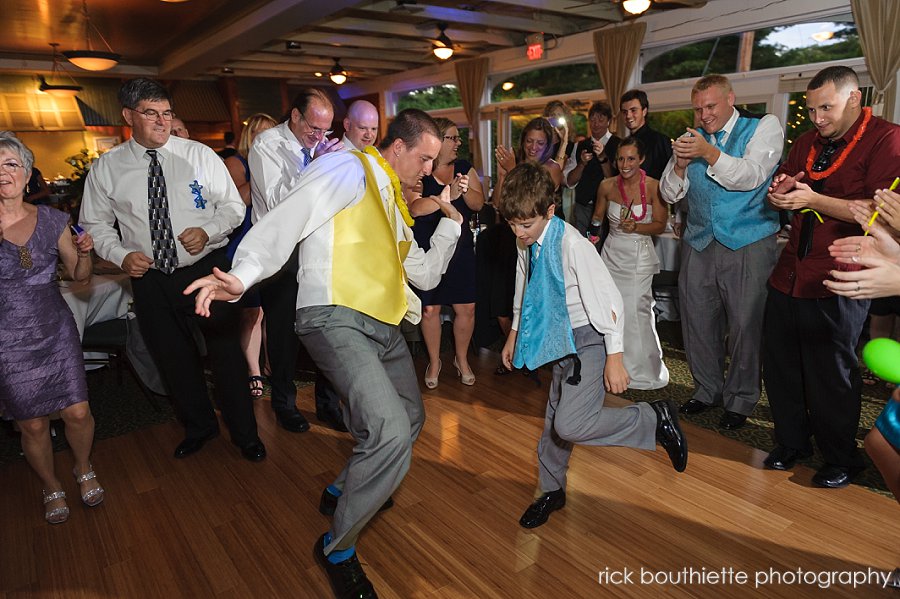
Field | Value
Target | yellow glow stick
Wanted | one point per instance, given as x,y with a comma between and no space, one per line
875,214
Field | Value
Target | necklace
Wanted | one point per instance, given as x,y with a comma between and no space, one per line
630,206
810,159
395,185
25,258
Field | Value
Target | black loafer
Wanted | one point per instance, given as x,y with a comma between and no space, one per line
693,406
292,421
784,458
834,477
539,511
669,434
255,452
731,421
192,445
328,504
347,578
331,417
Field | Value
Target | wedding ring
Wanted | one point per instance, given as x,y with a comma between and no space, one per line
857,287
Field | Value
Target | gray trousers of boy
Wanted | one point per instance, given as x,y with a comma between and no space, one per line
575,413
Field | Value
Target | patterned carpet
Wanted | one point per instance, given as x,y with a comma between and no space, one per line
122,409
758,432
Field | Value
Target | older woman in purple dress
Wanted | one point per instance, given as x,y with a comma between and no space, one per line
41,364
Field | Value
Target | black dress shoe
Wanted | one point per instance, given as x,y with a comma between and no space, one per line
331,417
731,421
347,578
668,433
192,445
292,421
834,477
693,406
328,504
538,512
255,452
784,458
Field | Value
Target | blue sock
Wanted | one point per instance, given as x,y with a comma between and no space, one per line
338,555
334,491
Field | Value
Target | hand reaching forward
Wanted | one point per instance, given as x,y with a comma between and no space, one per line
446,207
220,286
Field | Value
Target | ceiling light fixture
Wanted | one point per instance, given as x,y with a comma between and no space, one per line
636,7
507,85
338,75
58,90
443,45
90,59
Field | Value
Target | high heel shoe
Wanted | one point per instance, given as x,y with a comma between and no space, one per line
465,379
57,515
432,383
91,497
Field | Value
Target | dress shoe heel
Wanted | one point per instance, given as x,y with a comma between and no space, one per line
465,379
731,421
693,406
59,514
294,422
192,445
669,433
91,497
539,511
255,452
784,458
432,382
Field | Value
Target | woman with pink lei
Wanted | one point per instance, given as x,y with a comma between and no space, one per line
635,211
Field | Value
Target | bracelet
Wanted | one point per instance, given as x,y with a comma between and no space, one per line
561,158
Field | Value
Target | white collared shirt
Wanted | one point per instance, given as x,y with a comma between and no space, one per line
276,161
331,183
348,145
572,162
591,295
734,173
116,190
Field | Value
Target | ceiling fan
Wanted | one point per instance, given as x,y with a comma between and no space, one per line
406,6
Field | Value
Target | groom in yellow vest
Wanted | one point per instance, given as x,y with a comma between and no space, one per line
357,254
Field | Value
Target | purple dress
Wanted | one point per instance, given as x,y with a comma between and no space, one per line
41,364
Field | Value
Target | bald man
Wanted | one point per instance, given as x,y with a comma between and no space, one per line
361,125
179,129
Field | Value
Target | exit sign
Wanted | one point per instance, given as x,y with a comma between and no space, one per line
534,46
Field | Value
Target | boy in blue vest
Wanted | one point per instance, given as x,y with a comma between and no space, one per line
567,311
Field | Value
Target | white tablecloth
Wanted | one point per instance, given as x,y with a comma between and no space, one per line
103,298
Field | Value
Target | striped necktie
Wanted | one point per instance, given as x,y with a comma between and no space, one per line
165,255
307,157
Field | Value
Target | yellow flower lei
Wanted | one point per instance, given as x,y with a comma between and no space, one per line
395,184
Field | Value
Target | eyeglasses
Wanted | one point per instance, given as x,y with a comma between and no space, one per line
152,115
453,138
11,167
316,131
824,159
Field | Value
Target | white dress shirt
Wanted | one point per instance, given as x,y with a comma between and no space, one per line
348,145
572,162
276,161
331,183
591,295
734,173
116,190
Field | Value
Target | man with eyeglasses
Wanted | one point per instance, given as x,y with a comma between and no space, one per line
162,207
723,168
810,366
277,158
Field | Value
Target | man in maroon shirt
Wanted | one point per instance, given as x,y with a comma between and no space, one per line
810,367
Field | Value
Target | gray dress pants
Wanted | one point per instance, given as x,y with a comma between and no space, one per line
369,364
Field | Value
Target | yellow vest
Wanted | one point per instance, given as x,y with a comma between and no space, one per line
367,266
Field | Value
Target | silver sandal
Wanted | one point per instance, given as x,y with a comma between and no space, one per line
93,496
57,515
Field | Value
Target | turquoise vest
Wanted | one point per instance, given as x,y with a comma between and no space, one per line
545,332
734,218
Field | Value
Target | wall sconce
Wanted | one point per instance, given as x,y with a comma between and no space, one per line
443,45
90,59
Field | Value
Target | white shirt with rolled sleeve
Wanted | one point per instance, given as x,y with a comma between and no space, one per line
591,295
331,183
276,161
116,190
735,173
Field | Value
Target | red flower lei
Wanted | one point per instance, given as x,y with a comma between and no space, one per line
811,158
630,205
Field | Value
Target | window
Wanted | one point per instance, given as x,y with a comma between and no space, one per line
773,47
548,81
430,98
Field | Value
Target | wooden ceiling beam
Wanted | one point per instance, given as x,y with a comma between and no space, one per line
426,31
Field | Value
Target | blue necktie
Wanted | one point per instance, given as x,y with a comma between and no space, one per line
535,252
307,157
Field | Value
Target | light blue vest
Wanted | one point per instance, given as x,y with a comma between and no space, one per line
545,332
734,218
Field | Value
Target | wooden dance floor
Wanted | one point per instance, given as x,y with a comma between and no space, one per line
215,525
